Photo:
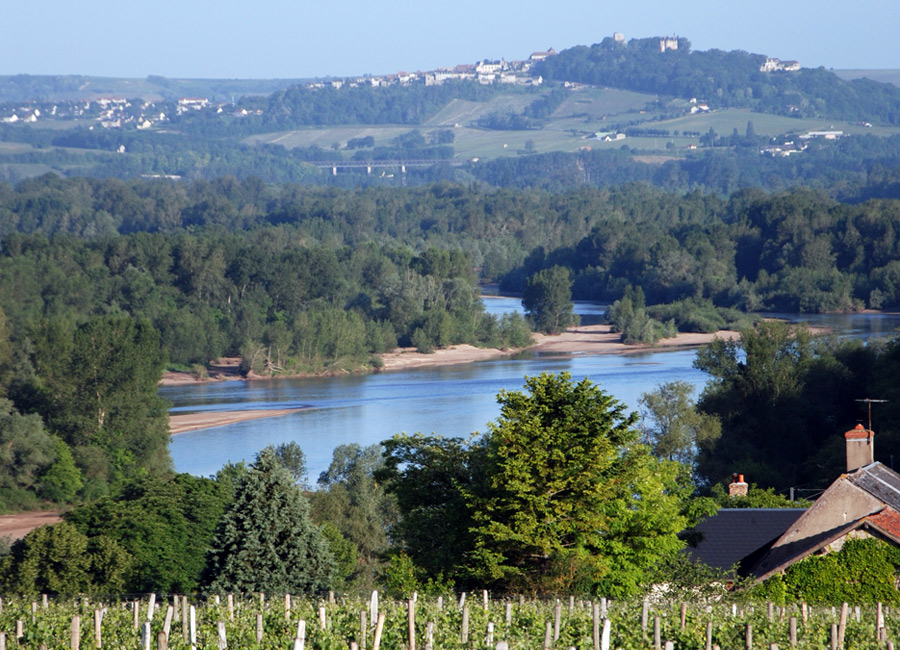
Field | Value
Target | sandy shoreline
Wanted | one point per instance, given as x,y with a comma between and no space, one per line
194,421
590,339
17,526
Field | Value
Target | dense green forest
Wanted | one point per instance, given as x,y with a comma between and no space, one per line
215,244
103,282
853,169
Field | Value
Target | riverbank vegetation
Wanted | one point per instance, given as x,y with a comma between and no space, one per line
556,496
560,495
799,251
103,274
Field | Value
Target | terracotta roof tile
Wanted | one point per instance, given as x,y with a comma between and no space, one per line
887,521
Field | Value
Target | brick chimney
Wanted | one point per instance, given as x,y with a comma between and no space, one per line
860,447
737,487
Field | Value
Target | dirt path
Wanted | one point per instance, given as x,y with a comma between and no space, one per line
17,526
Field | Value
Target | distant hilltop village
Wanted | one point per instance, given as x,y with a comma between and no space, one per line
117,112
484,72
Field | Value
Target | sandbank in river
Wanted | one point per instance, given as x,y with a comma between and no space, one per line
589,339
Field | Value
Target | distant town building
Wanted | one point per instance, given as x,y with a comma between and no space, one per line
773,65
490,67
193,102
619,38
827,135
668,44
540,56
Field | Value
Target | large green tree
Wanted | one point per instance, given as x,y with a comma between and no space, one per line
357,506
429,476
96,385
784,398
558,496
266,540
61,560
548,300
572,500
27,451
165,524
671,424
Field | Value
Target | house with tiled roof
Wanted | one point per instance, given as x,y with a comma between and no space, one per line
864,502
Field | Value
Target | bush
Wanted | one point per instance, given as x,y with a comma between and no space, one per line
863,571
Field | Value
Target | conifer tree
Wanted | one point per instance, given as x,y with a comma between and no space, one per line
266,540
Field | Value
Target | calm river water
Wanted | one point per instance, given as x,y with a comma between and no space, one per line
451,401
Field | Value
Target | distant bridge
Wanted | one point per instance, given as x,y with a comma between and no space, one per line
369,165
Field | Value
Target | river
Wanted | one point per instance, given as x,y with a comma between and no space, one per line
449,400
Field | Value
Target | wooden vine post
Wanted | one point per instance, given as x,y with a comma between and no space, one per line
363,628
379,628
98,628
411,623
557,620
464,631
75,636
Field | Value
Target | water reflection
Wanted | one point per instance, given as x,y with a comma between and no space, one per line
450,400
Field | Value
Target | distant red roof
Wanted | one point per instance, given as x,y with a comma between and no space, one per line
886,521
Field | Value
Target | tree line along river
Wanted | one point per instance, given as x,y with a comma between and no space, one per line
447,400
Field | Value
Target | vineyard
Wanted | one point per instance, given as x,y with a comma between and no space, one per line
259,621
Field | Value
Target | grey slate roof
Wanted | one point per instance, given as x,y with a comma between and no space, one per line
731,534
880,481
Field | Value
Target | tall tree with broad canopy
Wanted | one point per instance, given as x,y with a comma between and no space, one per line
96,386
266,540
784,398
572,500
548,300
559,495
671,424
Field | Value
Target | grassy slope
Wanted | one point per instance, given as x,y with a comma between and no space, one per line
586,111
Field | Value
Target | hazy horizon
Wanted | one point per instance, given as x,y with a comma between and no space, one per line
277,39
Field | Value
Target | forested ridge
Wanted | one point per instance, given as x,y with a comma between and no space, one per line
722,79
798,250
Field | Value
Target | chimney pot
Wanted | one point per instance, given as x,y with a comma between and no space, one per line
860,447
737,488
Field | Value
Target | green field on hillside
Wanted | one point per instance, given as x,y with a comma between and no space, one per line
597,103
566,132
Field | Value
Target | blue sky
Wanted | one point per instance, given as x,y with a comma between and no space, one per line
300,38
